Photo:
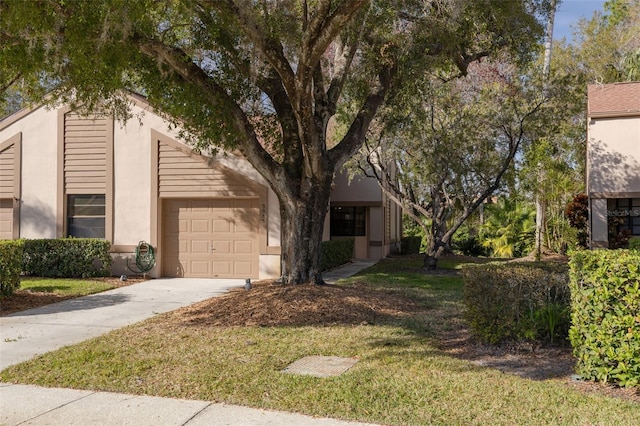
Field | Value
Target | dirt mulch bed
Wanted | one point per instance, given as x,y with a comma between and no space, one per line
22,300
271,304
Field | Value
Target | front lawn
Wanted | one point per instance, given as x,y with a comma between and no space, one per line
393,318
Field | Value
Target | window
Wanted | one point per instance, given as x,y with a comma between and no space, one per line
86,216
623,216
348,221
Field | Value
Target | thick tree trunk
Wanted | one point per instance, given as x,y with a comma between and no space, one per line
438,244
434,250
301,240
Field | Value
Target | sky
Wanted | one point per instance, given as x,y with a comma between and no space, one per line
569,12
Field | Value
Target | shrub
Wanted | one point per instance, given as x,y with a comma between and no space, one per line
634,243
410,244
466,242
469,246
10,266
67,258
336,253
517,301
605,313
577,213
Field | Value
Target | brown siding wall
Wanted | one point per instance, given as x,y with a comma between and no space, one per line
85,154
10,186
181,175
7,164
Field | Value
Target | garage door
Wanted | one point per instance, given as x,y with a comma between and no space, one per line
6,219
211,238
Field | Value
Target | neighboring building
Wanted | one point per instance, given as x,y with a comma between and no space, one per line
63,174
613,163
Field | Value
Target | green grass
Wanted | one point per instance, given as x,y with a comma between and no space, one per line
64,286
402,378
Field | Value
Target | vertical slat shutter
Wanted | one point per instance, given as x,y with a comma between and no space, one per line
85,154
7,169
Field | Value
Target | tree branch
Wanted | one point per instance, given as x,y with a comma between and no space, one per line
182,66
240,10
4,86
358,129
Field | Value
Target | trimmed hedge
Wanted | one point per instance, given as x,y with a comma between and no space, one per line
605,313
336,253
517,301
10,266
410,244
67,258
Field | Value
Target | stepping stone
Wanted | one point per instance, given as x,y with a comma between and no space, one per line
320,366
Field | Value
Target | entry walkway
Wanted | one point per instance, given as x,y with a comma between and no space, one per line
26,334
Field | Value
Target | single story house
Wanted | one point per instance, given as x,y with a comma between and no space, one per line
613,163
65,174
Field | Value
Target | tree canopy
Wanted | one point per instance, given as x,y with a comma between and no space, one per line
263,77
446,150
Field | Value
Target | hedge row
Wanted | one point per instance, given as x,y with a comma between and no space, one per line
66,258
336,253
517,301
10,265
605,314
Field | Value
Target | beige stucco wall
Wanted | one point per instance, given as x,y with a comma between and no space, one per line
39,176
269,266
364,191
614,155
132,180
273,209
376,233
599,232
132,188
613,168
357,190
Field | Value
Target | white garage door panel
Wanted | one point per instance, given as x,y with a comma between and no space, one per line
211,238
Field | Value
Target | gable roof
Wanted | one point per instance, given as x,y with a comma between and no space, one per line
613,100
48,102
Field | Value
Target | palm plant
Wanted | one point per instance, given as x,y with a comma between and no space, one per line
509,228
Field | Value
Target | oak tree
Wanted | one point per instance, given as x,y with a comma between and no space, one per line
264,77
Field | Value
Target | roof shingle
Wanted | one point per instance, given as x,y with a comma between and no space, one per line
613,99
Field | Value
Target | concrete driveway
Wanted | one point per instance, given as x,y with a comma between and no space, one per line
26,334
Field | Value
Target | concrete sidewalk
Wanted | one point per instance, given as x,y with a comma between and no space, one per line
32,405
26,334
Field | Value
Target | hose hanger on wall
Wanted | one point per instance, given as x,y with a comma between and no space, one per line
145,258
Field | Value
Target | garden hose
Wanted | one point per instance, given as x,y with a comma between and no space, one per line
145,258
